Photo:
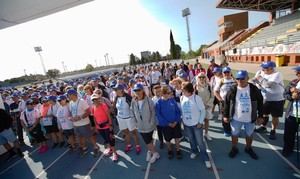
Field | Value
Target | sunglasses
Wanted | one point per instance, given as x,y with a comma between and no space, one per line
201,77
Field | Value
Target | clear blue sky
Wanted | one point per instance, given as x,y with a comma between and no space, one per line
203,19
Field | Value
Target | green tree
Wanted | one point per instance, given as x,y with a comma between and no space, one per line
177,51
172,46
89,68
53,73
132,59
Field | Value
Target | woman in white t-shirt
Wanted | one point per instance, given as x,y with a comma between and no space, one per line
63,116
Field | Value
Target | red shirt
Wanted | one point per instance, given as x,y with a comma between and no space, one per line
100,115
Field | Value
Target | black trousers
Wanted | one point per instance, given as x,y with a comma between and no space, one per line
226,126
290,129
160,134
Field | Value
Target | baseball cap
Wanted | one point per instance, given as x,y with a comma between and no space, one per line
297,68
72,92
268,64
226,69
52,98
29,102
241,74
61,97
138,87
118,87
217,70
131,81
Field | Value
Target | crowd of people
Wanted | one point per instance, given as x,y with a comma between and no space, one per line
176,100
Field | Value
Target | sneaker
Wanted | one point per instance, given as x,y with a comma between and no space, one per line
170,154
83,151
227,134
62,144
127,148
207,137
148,156
251,153
138,149
233,152
115,157
207,164
161,145
261,129
272,135
54,145
193,155
107,152
154,157
178,154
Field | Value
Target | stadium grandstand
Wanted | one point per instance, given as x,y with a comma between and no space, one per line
276,40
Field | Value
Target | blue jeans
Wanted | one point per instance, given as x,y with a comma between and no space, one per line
195,136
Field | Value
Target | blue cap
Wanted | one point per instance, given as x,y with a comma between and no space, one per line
52,98
118,87
226,69
131,81
29,101
241,74
138,87
268,64
72,92
297,68
61,97
182,75
217,70
24,94
35,95
112,83
45,98
14,95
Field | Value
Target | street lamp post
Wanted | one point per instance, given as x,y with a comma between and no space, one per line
39,50
185,13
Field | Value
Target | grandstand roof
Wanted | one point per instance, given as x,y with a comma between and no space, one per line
256,5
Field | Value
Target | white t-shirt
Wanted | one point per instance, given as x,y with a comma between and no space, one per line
32,117
122,108
223,86
154,76
243,106
78,108
193,110
63,114
272,85
22,105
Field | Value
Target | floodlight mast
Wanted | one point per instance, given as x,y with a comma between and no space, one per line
185,13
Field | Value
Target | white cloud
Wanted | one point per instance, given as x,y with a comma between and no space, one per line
80,35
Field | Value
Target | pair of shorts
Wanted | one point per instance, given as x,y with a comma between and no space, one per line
236,127
208,114
275,108
127,123
108,136
68,132
147,137
51,129
83,131
172,133
7,136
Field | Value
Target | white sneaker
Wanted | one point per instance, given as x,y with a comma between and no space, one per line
107,152
193,155
207,164
148,156
207,136
154,157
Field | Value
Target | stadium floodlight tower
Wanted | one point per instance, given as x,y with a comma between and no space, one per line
185,13
38,49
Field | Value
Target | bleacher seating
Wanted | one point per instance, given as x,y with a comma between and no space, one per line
284,30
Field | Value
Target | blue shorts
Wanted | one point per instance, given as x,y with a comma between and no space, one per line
7,136
236,127
83,131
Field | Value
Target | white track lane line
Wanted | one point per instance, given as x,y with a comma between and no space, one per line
279,154
94,166
213,165
44,171
18,161
149,164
